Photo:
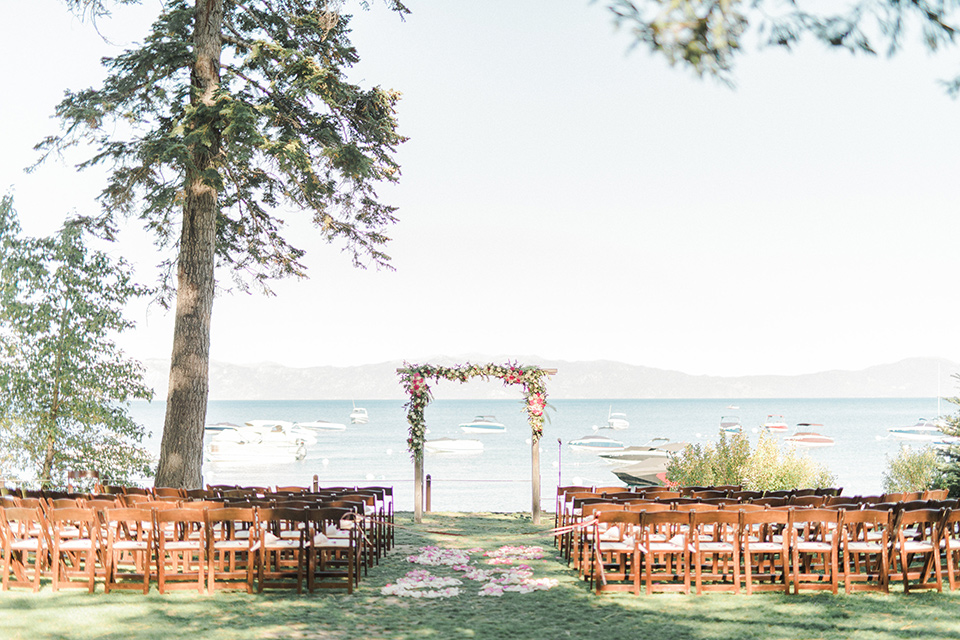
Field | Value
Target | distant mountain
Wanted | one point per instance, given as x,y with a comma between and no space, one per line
915,377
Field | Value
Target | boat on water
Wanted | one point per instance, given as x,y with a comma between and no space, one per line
645,452
359,415
809,438
323,425
775,424
483,424
593,442
453,445
278,430
731,424
255,445
616,420
923,430
649,473
220,426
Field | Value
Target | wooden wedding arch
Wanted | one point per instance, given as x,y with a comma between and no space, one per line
416,380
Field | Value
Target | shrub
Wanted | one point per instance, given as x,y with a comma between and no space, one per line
767,468
913,470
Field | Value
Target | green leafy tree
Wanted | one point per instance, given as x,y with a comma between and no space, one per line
913,470
226,112
708,465
950,458
771,468
766,468
707,35
66,385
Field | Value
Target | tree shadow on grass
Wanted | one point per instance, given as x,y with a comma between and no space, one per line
569,610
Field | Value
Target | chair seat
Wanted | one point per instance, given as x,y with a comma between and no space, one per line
914,546
77,544
865,547
814,547
716,547
765,547
181,545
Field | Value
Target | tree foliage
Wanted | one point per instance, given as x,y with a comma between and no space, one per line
730,461
66,384
950,458
290,130
913,470
707,35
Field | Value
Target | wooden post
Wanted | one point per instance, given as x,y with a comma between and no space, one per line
418,488
535,478
429,494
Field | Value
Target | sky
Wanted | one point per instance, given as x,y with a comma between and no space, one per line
565,197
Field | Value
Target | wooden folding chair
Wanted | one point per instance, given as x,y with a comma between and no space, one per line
129,554
24,537
76,543
282,559
715,545
814,547
333,549
232,547
865,542
665,544
917,550
765,549
950,545
181,548
613,556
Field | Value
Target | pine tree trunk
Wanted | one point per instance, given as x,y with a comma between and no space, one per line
181,450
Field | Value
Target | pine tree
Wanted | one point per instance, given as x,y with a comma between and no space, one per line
226,112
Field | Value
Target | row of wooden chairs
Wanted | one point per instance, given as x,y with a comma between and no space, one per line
370,533
781,549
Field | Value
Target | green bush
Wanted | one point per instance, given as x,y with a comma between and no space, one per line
913,470
730,461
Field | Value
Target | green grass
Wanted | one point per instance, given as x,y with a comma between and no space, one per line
566,611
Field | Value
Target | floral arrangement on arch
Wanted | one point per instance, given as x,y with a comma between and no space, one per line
416,381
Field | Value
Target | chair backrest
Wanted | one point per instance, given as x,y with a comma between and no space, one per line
716,525
809,491
859,526
136,491
695,506
172,492
746,495
665,523
292,489
779,493
808,500
708,493
226,522
647,506
762,526
74,522
829,491
772,501
743,506
814,524
721,501
62,503
935,494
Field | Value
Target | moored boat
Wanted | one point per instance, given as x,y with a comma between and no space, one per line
809,438
359,416
923,430
775,424
593,442
649,473
645,452
483,424
255,444
616,420
730,424
323,425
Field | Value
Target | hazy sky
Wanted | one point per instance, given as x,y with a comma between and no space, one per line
565,198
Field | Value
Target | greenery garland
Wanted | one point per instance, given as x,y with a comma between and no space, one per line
416,381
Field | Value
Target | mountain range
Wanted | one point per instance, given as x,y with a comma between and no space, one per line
596,379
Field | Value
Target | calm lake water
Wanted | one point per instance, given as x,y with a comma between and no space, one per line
498,479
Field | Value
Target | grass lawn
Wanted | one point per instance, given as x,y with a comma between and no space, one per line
568,610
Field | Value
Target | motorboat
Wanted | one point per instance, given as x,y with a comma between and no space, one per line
453,445
731,424
809,438
775,424
649,473
278,430
595,443
946,442
645,452
359,416
483,424
220,426
617,421
323,425
255,444
923,430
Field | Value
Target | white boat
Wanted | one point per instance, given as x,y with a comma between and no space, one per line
359,415
923,430
646,452
255,445
775,424
483,424
595,443
617,421
809,438
323,425
274,431
453,445
220,426
730,424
